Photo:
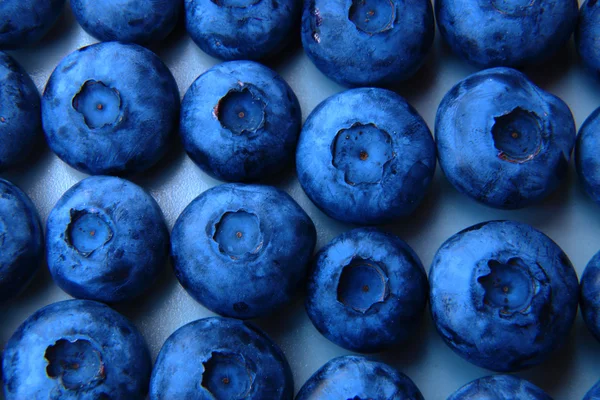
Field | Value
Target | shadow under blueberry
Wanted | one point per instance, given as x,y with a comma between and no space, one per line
549,71
412,351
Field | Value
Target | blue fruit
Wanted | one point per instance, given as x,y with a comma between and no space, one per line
502,140
356,378
367,42
242,250
137,21
240,121
586,34
587,160
510,33
106,240
367,290
20,115
365,156
503,295
25,22
499,387
21,240
590,295
110,108
232,360
241,29
76,350
593,393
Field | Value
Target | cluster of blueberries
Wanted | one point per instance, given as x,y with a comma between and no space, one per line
502,294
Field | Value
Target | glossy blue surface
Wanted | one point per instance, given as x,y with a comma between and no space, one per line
365,156
590,295
499,387
233,360
502,140
503,295
25,22
586,34
587,158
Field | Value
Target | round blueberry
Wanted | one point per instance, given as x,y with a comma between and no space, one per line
242,250
240,121
241,29
21,240
499,387
367,42
503,295
25,22
587,160
365,156
502,140
367,290
20,115
510,33
593,393
110,108
137,21
590,295
586,34
106,240
233,360
76,350
358,378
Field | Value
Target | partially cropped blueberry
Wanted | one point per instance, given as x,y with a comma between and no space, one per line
20,114
76,350
367,290
110,109
503,295
499,387
242,250
502,140
365,156
509,33
241,29
240,121
587,159
593,393
136,21
590,295
221,358
586,34
25,22
21,240
358,378
106,240
367,42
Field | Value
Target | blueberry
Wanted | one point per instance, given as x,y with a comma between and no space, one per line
20,115
242,250
365,156
241,29
587,160
593,393
25,22
510,33
586,34
137,21
367,290
21,240
233,360
106,240
240,121
502,140
76,350
590,295
367,42
358,378
110,108
503,295
499,387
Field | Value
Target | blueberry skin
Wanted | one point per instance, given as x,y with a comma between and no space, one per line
188,368
499,387
475,127
241,29
242,250
384,314
588,28
593,393
590,295
503,295
354,52
371,178
587,161
261,145
106,240
135,21
25,22
20,114
508,33
111,355
357,377
110,108
21,240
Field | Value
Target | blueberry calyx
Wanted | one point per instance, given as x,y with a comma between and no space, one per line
238,234
98,103
76,363
362,284
512,7
372,16
88,230
236,3
241,111
227,375
517,135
